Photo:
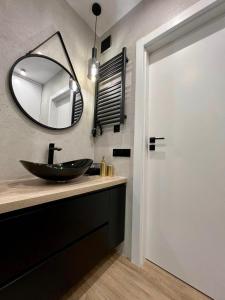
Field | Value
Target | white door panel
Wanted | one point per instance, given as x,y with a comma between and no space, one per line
185,227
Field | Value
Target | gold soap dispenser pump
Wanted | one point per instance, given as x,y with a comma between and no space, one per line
103,167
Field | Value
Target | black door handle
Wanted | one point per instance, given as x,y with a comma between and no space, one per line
152,140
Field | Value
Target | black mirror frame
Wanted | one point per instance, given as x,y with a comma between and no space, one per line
21,108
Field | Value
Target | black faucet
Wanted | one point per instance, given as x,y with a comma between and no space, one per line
51,149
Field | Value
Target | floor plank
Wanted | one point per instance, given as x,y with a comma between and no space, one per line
116,278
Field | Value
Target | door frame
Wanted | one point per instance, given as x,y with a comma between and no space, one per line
190,19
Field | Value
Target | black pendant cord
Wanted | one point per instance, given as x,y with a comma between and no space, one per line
58,33
95,30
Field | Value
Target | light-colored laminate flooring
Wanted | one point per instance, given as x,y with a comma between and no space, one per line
116,278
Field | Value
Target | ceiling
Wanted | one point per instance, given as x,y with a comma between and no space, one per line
112,12
38,69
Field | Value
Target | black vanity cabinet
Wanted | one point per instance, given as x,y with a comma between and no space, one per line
46,249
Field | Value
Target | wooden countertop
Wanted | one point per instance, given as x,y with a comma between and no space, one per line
29,192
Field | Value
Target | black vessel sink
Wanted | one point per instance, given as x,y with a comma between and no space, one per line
58,172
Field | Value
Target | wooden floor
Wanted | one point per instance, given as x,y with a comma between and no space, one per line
117,278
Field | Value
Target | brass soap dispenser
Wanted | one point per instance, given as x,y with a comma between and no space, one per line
103,167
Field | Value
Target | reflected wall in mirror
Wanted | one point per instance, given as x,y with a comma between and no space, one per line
46,91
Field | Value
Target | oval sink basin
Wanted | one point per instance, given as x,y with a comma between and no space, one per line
58,172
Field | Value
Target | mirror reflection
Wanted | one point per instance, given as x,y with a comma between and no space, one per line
46,92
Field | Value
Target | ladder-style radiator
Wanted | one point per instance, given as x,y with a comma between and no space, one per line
110,94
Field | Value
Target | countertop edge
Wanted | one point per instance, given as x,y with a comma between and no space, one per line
29,201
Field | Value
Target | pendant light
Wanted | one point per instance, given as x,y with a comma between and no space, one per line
93,63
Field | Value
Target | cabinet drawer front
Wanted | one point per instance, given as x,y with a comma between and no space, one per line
58,274
117,203
30,236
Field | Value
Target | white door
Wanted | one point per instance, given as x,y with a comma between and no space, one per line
185,214
60,109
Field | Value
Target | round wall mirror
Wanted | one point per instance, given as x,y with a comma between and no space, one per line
46,91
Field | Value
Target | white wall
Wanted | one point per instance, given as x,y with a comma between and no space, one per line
143,19
23,25
29,94
50,88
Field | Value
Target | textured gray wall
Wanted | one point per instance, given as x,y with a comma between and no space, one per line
23,25
143,19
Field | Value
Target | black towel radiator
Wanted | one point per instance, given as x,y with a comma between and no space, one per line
110,94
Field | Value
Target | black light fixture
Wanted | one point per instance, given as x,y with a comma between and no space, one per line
93,63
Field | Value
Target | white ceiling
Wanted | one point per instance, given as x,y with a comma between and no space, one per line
38,69
112,12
